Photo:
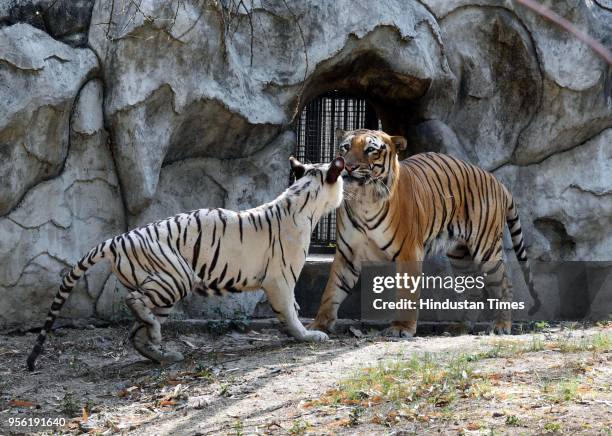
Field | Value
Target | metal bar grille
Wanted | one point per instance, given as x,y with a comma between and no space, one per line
316,143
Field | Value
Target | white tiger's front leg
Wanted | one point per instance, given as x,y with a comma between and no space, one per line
352,248
282,301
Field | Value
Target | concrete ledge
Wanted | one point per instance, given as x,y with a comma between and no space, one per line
343,326
311,284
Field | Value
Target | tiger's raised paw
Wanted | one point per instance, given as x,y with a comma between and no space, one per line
315,336
398,332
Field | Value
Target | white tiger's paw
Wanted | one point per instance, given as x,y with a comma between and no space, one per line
315,336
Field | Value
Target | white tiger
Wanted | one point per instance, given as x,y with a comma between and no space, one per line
214,251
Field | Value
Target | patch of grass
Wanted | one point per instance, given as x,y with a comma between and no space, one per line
562,391
315,346
238,428
161,378
89,405
552,426
70,406
299,427
427,384
535,345
204,372
508,348
224,392
432,379
605,323
602,342
480,388
540,326
599,343
513,421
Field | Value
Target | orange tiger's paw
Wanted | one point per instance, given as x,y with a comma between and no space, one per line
322,324
405,329
501,327
459,328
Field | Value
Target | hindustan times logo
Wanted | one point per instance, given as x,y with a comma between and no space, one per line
411,283
430,304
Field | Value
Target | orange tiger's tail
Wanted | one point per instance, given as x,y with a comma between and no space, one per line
68,283
516,232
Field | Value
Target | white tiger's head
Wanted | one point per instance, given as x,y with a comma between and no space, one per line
323,181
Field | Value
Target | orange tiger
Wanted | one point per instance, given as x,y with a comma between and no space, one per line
403,211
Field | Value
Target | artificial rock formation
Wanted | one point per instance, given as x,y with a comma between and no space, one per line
116,113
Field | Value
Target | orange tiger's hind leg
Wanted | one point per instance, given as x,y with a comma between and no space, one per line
490,261
462,264
352,248
500,291
342,279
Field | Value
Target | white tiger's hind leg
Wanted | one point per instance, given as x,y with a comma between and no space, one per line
162,315
146,333
282,301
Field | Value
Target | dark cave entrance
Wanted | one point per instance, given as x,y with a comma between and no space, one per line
316,143
359,90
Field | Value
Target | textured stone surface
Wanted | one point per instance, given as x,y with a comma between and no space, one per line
65,20
499,82
566,201
39,80
192,106
161,110
59,220
574,99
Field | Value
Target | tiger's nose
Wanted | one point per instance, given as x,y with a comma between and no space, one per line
349,167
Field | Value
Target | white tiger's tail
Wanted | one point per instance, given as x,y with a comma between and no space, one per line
69,281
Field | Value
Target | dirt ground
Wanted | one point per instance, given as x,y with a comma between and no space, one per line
262,382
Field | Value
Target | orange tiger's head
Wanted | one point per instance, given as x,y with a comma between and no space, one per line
369,156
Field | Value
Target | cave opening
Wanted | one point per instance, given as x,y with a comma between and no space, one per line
364,92
315,129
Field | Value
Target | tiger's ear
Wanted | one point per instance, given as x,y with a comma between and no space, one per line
400,142
297,167
340,134
335,169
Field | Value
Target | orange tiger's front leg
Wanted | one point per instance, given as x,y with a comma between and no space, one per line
409,261
345,270
405,323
